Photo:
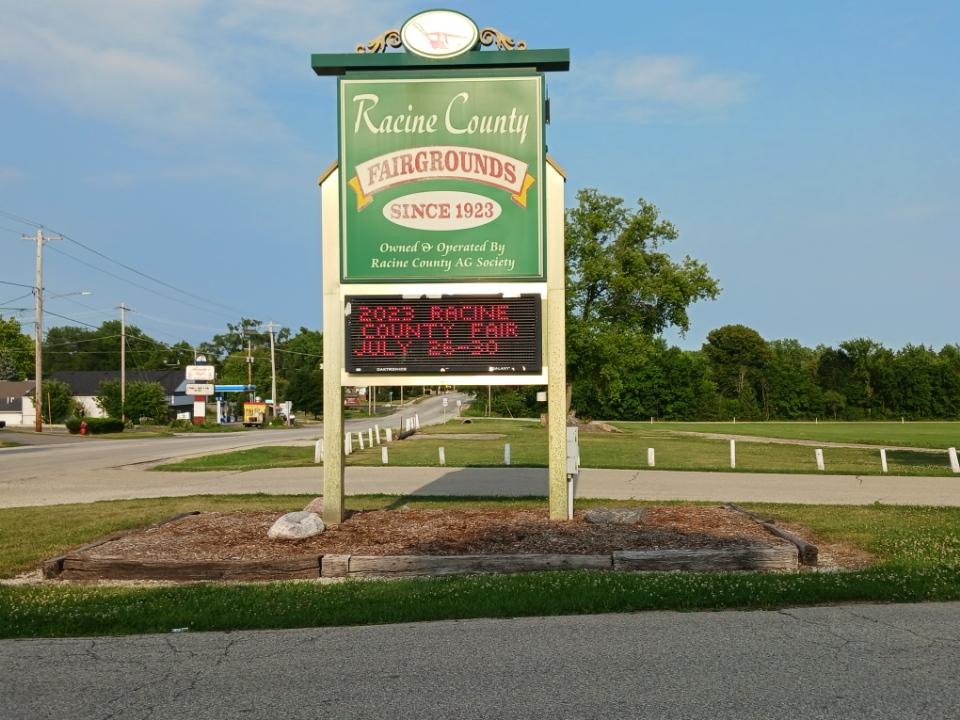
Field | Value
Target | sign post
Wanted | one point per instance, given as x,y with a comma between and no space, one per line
442,225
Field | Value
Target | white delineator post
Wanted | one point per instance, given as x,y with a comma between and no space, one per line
383,454
376,433
651,457
883,460
818,453
360,438
347,443
370,437
389,435
733,454
506,453
954,463
442,455
416,422
318,451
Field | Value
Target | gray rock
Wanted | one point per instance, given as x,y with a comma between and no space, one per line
315,506
296,526
615,516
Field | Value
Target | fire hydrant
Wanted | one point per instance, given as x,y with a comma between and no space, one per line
83,427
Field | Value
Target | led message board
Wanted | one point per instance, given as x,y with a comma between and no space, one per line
483,334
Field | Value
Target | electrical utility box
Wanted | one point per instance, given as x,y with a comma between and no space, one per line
573,451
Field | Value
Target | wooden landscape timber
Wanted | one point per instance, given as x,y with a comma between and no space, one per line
81,567
781,557
808,553
360,566
53,567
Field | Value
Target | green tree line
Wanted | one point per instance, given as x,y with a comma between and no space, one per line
623,291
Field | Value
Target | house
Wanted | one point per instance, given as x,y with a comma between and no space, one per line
85,385
13,401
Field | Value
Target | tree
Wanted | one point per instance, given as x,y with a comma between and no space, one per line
305,391
74,348
792,380
143,400
16,351
739,358
622,290
58,403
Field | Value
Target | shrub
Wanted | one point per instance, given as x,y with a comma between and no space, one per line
95,426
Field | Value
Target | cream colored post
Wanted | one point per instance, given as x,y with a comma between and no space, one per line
555,351
333,426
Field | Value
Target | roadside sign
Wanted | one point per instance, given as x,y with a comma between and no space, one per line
445,401
201,372
200,388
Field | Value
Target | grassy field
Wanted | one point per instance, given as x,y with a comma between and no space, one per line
883,434
626,450
917,554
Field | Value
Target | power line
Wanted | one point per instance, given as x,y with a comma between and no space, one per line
136,285
129,268
74,320
150,277
7,282
18,297
17,218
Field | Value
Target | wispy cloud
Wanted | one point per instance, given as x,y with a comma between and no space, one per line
648,86
178,69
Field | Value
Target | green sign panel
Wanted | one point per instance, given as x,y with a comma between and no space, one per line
441,178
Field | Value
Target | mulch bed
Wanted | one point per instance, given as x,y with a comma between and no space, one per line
243,535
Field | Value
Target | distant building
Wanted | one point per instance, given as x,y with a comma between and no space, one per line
85,385
12,400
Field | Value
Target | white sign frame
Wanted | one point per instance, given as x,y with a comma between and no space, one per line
200,389
204,373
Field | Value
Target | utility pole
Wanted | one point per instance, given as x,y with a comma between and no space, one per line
40,238
123,361
273,369
249,369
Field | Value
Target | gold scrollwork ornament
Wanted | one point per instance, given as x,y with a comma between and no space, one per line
391,38
490,36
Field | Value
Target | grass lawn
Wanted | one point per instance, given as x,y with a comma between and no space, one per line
627,450
917,551
882,434
6,444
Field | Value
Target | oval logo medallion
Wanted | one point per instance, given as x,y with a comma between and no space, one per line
439,34
442,210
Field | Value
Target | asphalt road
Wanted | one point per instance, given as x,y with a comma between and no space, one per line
59,468
856,661
72,470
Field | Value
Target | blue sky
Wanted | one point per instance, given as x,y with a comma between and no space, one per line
809,153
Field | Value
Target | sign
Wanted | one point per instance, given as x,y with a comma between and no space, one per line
439,34
201,372
481,334
442,178
200,389
445,401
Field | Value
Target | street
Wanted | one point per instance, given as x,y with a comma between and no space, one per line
61,469
855,661
74,470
